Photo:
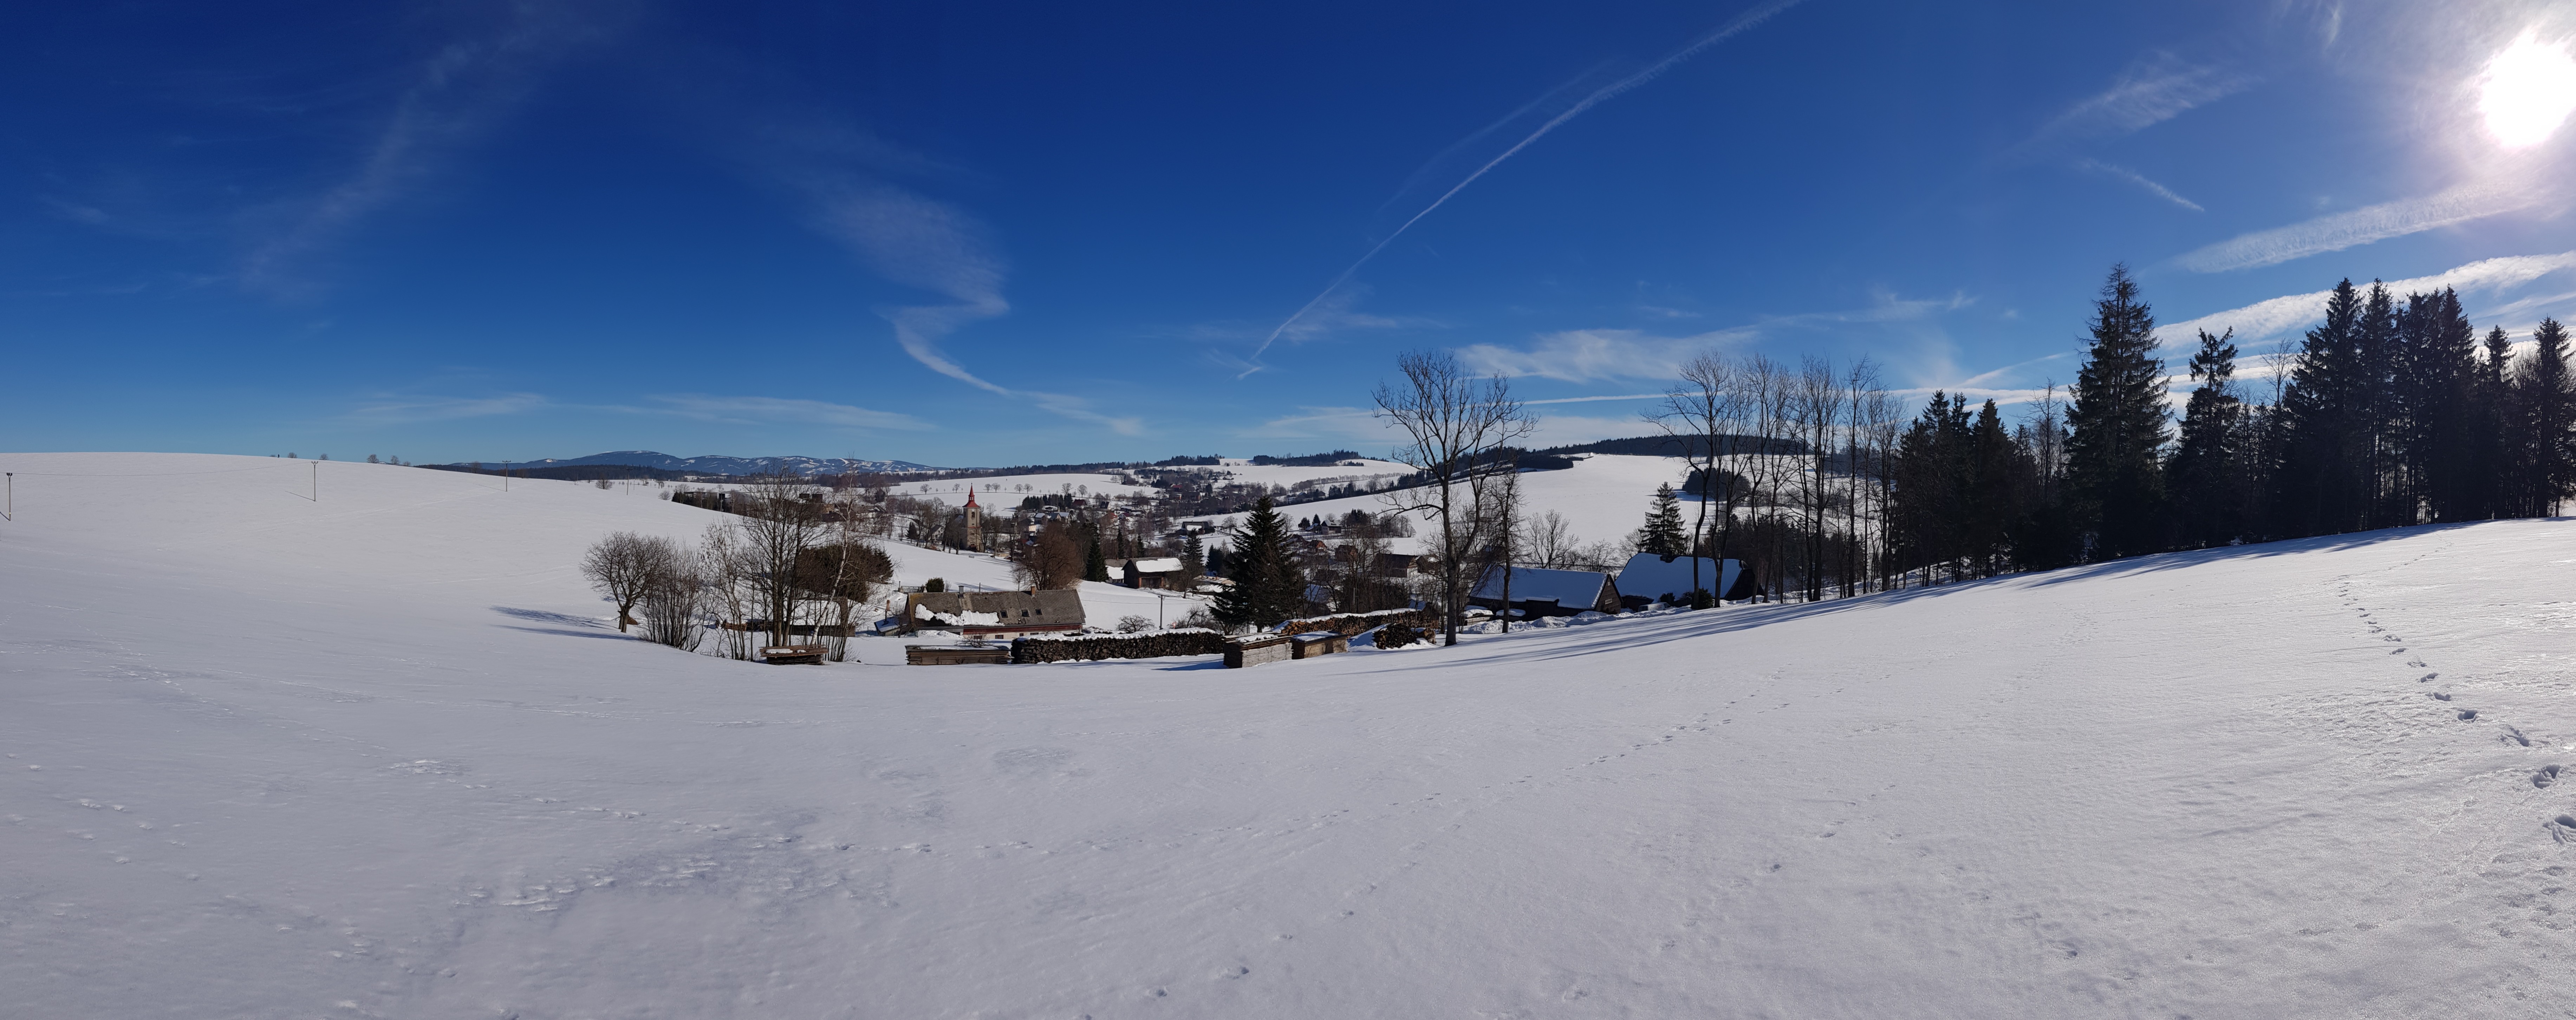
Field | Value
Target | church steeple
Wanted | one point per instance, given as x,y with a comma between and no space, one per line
974,522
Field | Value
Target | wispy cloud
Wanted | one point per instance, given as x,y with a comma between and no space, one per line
2151,91
2362,226
1596,355
920,242
1337,423
1593,355
1338,315
412,410
2133,177
1740,24
452,98
2265,319
759,410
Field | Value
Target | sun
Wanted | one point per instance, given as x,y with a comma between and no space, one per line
2527,91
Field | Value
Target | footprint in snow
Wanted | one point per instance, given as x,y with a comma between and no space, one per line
2513,735
2467,714
2439,696
2548,774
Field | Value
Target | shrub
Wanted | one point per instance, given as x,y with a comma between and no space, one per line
1134,625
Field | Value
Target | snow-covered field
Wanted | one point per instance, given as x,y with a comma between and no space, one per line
373,756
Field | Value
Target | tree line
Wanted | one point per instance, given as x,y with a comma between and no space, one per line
2392,411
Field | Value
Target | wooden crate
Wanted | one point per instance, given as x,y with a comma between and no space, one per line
956,655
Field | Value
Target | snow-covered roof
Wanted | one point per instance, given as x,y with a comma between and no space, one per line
1158,565
1657,576
1564,587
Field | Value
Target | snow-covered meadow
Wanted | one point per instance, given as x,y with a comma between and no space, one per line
376,755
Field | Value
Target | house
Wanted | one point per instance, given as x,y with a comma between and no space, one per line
1159,572
1540,592
1652,578
996,615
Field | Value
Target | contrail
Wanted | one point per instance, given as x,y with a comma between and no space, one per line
1742,22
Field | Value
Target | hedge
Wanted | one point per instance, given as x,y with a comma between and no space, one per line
1356,624
1183,641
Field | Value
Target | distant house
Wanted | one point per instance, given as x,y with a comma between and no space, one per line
1159,572
1540,592
996,615
1652,578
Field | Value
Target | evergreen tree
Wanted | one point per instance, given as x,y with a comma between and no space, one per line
1095,567
2202,475
2320,486
2373,413
1193,551
2492,464
1997,496
1268,586
2119,424
2435,375
1663,533
2545,397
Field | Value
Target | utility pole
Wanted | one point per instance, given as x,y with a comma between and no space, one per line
10,512
505,476
317,480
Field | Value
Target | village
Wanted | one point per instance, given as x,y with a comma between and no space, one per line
1357,577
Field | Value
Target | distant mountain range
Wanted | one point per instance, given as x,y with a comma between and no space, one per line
724,465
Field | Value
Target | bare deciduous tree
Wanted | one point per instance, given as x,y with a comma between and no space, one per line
1547,541
622,567
779,525
1053,561
1449,420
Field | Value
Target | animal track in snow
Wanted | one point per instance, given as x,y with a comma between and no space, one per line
2439,696
2513,735
2548,774
2467,714
2426,677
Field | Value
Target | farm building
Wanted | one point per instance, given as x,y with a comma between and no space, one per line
1540,592
1652,578
998,615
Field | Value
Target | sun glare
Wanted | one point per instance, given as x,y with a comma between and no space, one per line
2528,91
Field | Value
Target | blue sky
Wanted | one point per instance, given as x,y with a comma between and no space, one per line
969,233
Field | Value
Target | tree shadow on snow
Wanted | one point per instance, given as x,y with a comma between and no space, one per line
591,628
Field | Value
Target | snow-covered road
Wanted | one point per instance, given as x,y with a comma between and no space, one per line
373,756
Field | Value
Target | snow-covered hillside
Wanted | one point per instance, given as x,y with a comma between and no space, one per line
373,756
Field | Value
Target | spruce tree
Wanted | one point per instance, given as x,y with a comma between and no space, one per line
2119,424
2545,397
2319,481
2201,476
1095,567
2492,451
1663,533
1995,500
1193,552
1268,586
2435,375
